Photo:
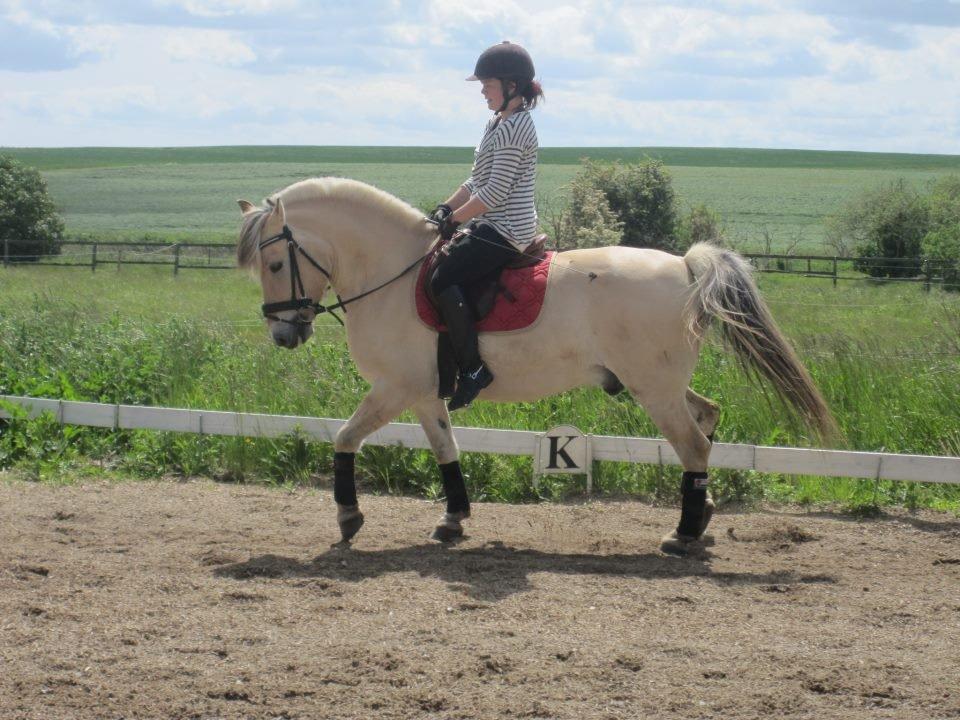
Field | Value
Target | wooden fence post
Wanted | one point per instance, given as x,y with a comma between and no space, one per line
834,270
93,259
119,258
6,252
176,259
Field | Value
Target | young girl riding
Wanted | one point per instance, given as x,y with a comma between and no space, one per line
497,202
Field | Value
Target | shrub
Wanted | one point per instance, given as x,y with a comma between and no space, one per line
615,203
886,227
588,220
941,245
701,224
28,219
941,255
642,198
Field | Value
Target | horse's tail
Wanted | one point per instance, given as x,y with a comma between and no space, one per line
725,290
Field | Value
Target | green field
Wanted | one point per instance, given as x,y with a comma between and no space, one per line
188,193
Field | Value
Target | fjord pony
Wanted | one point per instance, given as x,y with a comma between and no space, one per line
617,317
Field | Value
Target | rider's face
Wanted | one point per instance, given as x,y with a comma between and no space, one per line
492,91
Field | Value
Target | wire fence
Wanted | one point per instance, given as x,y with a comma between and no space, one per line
945,273
93,254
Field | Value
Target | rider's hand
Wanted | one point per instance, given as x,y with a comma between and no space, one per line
440,213
447,227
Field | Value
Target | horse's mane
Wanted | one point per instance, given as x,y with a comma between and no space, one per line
320,189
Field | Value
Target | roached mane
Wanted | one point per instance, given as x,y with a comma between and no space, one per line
342,189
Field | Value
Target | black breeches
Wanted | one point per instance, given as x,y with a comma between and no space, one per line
474,257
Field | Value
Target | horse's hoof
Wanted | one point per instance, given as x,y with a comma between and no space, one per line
676,544
350,526
447,533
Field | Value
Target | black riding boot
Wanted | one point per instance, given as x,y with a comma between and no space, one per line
474,375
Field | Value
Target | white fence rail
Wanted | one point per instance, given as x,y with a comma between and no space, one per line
784,460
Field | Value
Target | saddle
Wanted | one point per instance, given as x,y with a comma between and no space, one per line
507,299
483,294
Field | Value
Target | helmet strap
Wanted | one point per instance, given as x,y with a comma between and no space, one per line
507,96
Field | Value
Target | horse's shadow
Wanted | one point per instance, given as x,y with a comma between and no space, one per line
492,572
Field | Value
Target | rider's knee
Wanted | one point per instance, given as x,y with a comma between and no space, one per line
439,282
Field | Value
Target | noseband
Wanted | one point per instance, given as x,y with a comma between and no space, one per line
296,284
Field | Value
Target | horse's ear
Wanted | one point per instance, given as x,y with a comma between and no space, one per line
245,206
277,205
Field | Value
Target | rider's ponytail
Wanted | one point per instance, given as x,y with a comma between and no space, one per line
532,94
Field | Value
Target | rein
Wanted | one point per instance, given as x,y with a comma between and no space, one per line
296,284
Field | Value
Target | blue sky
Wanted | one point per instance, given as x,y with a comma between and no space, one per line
878,75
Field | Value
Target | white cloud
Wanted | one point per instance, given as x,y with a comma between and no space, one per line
207,46
101,40
223,8
77,104
724,72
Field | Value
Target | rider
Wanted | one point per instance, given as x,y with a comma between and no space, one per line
497,200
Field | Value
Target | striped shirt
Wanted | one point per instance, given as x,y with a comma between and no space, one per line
503,177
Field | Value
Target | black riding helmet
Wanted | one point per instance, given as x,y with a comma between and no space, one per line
507,62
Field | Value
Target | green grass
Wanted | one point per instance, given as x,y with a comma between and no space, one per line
886,357
188,194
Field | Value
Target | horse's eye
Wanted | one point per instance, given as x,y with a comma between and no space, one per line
275,266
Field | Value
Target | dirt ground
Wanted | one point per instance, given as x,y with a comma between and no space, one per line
197,600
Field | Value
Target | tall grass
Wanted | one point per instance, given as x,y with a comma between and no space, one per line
887,360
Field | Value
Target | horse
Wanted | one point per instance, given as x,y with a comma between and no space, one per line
617,317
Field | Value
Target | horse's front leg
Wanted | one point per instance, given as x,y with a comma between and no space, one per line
383,403
436,424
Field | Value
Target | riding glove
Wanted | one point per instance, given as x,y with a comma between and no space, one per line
441,212
447,227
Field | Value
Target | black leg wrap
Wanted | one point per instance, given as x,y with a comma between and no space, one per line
344,487
693,490
454,488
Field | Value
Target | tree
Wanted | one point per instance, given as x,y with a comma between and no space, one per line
29,222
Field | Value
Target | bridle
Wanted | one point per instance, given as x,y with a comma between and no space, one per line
298,295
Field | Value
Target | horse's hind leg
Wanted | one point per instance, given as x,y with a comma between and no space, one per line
436,424
705,412
380,406
670,410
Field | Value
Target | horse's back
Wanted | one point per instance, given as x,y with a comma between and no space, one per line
634,299
639,272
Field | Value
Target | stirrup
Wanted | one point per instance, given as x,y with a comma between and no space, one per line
469,386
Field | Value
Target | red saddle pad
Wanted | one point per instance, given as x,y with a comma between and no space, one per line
527,286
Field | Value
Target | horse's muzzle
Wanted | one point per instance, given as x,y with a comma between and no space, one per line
291,334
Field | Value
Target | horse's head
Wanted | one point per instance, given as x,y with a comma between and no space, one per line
292,280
